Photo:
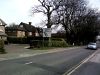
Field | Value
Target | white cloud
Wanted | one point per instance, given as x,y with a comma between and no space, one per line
94,4
18,10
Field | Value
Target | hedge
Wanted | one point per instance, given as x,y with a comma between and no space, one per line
38,41
2,50
53,43
17,40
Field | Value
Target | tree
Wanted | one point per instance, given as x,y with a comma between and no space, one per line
47,7
86,27
12,25
68,11
77,19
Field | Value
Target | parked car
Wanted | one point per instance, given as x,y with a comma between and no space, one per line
92,46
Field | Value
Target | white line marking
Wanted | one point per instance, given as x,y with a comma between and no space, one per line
28,63
73,69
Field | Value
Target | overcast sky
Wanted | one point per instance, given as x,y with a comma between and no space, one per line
16,11
94,3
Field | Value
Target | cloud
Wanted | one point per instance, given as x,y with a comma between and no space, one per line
17,10
94,4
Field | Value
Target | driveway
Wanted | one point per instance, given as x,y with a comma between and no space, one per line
19,51
16,48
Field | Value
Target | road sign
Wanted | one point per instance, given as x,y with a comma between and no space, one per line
46,32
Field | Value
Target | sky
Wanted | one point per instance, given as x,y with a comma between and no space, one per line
94,4
16,11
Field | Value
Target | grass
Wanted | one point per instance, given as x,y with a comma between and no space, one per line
48,48
43,48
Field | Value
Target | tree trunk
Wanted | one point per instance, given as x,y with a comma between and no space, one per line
49,24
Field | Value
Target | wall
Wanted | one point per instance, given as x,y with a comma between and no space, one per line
20,34
2,28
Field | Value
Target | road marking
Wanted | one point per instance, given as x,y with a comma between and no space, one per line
28,63
73,69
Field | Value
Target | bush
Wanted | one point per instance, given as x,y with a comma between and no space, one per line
17,40
2,50
59,42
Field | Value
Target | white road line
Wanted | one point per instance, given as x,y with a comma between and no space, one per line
28,63
73,69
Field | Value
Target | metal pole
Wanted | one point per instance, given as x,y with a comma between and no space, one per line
43,42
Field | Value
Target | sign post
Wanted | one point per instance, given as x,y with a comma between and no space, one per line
46,33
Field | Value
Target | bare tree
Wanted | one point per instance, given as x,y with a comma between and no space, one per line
12,25
47,7
68,11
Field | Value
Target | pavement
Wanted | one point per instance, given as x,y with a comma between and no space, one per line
19,51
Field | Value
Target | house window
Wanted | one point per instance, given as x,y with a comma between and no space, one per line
30,33
21,25
13,31
36,34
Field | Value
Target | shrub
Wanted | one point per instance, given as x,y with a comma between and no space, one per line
2,50
17,40
59,42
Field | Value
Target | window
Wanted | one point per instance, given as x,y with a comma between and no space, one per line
21,25
30,33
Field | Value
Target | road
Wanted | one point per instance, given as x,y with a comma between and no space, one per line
91,67
45,64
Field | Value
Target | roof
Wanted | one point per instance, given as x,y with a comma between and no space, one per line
29,28
2,22
15,27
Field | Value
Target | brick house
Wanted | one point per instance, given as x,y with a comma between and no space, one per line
2,30
15,31
22,30
30,30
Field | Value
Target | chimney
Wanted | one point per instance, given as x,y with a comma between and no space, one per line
30,23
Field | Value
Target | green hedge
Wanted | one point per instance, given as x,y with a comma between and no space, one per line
17,40
53,43
59,43
2,50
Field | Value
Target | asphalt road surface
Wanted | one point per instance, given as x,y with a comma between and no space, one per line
45,64
91,67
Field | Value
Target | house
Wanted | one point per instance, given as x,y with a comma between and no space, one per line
39,32
15,31
2,30
30,30
22,30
